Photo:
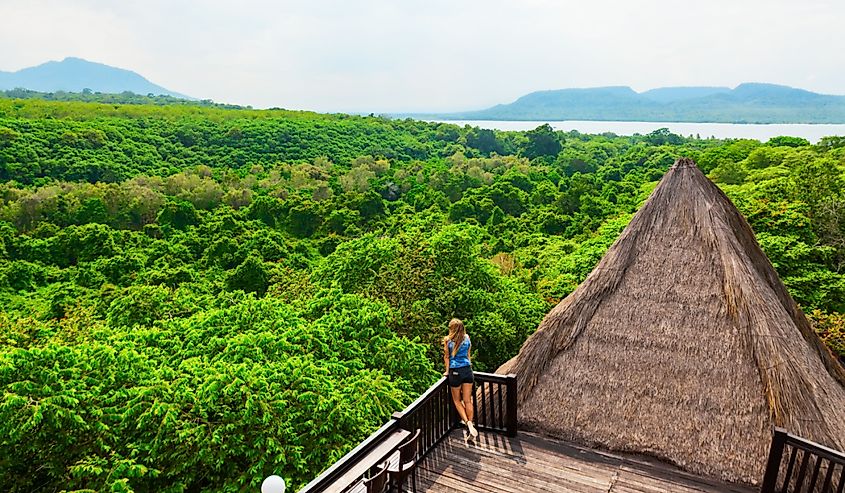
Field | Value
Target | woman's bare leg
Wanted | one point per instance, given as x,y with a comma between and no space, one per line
456,398
466,390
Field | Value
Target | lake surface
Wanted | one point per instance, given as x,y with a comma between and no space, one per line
762,132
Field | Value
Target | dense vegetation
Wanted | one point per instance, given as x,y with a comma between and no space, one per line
195,298
125,97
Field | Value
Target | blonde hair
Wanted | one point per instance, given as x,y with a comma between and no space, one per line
457,334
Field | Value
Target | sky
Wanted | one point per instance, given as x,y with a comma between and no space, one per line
432,55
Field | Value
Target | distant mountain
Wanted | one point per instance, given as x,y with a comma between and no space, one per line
747,103
671,94
76,75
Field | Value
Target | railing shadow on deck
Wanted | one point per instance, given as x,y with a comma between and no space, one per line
441,458
433,413
799,465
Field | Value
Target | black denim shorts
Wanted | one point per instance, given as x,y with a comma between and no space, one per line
458,376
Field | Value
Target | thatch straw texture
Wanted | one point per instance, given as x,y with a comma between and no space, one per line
683,343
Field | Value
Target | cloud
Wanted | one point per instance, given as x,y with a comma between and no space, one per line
415,55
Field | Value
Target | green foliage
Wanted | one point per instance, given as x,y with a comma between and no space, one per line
542,141
787,141
251,276
211,402
663,136
729,173
485,141
831,328
125,97
177,214
111,142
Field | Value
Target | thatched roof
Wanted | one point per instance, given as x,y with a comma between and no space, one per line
683,343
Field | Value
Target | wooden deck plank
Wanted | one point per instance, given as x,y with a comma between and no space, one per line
533,467
536,471
635,481
532,463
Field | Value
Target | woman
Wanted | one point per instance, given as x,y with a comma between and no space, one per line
456,348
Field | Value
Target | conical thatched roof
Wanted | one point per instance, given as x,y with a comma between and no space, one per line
683,343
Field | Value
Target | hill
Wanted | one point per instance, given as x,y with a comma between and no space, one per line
747,103
76,75
670,94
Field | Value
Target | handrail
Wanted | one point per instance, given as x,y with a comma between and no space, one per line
816,448
337,469
434,414
493,377
425,395
772,480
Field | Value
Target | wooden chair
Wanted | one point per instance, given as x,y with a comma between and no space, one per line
377,483
408,456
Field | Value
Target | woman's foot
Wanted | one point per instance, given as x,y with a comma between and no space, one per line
472,431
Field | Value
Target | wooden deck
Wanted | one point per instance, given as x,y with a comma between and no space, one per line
532,463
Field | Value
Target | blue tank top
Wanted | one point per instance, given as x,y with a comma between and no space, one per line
461,357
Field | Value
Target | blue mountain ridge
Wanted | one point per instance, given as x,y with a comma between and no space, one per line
75,75
746,103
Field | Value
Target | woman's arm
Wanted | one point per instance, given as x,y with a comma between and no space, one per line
446,356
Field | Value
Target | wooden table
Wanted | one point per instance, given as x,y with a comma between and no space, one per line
377,455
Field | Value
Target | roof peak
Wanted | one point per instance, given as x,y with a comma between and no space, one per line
684,162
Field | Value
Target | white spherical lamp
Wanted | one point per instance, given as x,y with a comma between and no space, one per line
273,484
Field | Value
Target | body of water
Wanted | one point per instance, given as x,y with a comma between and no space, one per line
761,132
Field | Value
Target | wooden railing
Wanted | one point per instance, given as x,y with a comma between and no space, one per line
799,465
434,414
495,403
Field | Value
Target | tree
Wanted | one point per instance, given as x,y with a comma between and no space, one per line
266,209
7,136
512,200
92,210
177,214
303,219
251,276
786,141
663,136
835,142
543,141
729,173
573,160
484,140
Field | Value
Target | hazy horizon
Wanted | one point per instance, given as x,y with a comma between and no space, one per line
382,57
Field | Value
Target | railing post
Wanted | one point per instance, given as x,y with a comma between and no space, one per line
511,422
400,418
454,418
770,477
